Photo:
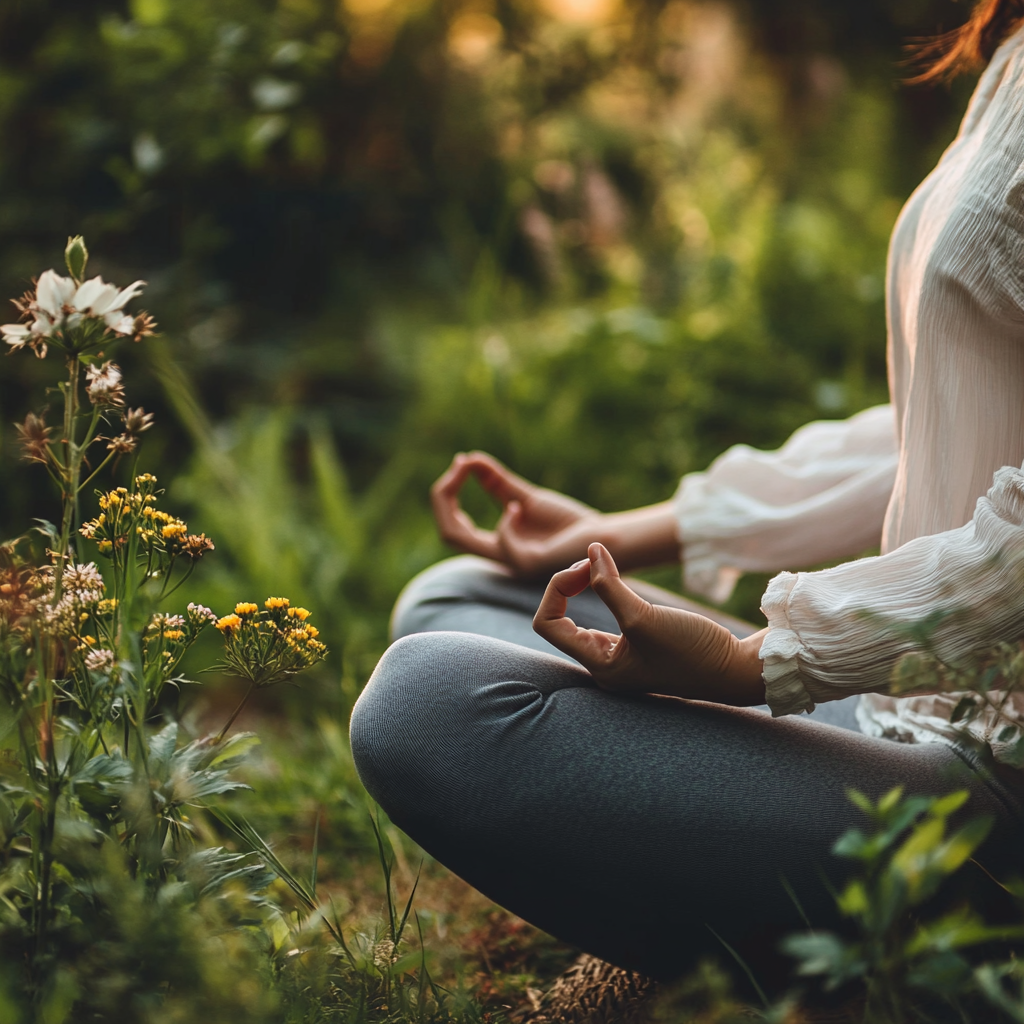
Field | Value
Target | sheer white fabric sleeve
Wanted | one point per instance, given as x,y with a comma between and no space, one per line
821,496
826,639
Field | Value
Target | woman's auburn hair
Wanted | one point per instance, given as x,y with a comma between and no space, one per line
971,45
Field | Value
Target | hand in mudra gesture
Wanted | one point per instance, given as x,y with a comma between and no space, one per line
661,650
539,529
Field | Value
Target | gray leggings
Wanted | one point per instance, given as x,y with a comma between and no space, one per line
644,830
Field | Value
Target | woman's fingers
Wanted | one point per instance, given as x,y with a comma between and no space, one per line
497,479
630,610
592,648
550,620
454,525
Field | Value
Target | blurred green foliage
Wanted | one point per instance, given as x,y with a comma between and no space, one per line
603,239
911,959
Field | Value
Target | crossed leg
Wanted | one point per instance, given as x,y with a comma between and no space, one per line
637,828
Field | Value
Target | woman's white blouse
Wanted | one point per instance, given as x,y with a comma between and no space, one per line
935,478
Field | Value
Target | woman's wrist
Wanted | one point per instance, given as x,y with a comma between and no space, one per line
744,679
640,538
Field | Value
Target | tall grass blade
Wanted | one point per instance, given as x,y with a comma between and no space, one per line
743,964
385,866
257,844
316,852
796,902
408,905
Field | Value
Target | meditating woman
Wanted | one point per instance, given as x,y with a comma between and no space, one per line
607,774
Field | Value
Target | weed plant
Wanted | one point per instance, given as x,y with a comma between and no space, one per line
116,900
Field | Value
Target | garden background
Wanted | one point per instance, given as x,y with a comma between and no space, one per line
601,239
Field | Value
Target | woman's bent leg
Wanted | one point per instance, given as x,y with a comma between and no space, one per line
629,827
467,594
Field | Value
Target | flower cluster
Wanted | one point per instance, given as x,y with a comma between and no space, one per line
127,516
168,637
22,591
74,314
82,590
269,645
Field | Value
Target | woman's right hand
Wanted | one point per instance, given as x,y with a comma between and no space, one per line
539,530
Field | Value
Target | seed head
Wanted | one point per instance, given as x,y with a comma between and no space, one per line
34,438
195,545
103,384
123,444
136,421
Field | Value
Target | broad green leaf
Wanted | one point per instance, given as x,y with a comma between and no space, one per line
235,747
853,900
161,749
890,800
947,805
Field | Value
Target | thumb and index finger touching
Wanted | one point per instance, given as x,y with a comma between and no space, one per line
599,571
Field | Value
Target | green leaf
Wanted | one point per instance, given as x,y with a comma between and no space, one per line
949,804
161,749
235,748
851,844
822,953
963,706
201,784
854,899
858,799
946,973
888,802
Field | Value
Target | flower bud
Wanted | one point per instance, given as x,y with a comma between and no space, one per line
76,256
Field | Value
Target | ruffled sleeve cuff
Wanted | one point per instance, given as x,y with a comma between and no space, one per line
785,691
821,496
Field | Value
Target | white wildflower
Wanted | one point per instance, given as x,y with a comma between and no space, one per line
384,953
59,305
103,384
84,581
97,298
99,660
161,623
199,614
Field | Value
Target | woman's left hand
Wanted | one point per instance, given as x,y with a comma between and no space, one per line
661,650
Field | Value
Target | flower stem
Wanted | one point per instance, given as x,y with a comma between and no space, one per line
72,469
234,714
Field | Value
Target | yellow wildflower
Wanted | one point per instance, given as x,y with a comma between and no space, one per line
173,530
299,613
245,608
174,634
273,603
106,606
228,623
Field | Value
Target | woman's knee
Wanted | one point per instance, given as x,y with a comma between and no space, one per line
426,729
454,579
383,730
415,725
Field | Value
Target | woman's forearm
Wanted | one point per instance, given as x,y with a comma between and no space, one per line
640,538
